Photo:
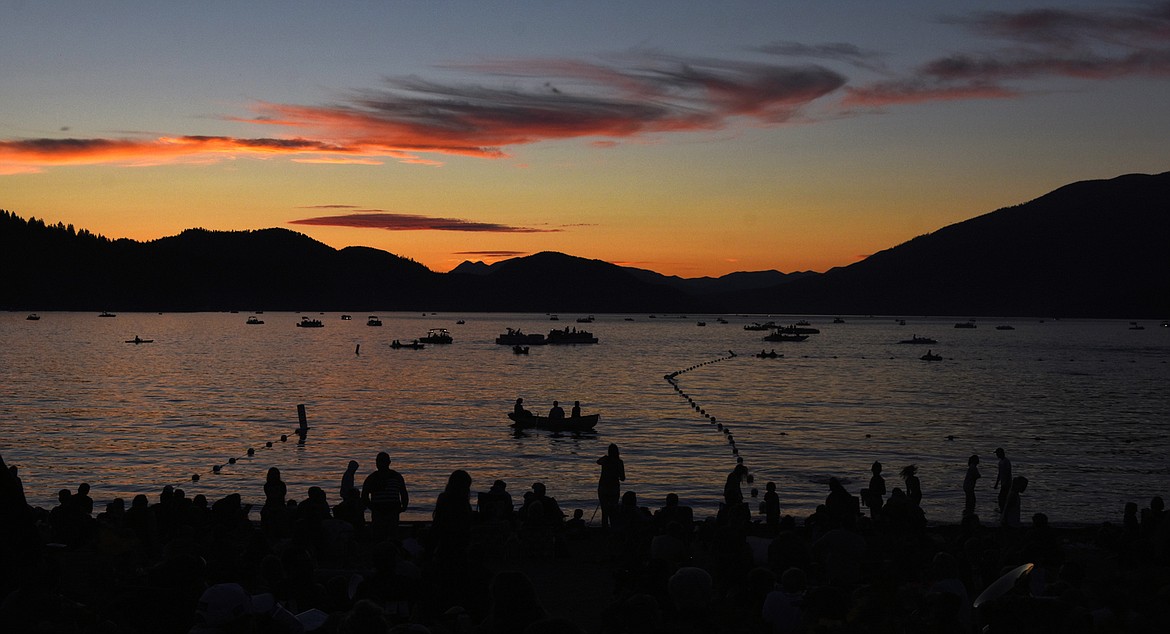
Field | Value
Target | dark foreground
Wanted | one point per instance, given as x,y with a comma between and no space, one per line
149,571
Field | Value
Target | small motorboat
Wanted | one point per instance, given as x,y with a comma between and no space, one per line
1005,327
33,317
780,336
768,355
460,322
373,321
965,324
702,323
254,321
838,320
931,356
520,349
137,340
414,345
437,335
917,339
532,421
346,317
107,314
585,320
310,323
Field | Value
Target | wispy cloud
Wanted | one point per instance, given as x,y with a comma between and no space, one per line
1088,44
410,119
645,95
377,219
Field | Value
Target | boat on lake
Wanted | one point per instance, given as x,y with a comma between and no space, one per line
437,335
513,337
568,336
310,323
768,355
838,320
585,320
1005,327
771,325
965,324
254,321
346,317
373,321
518,349
107,314
917,339
33,317
414,345
138,340
931,356
780,336
798,329
532,421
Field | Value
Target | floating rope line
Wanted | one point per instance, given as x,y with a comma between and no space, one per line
301,432
722,428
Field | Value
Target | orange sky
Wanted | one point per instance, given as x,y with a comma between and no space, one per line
688,140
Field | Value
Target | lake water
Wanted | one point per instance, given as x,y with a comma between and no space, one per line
1082,407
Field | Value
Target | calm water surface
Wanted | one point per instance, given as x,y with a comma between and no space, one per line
1082,407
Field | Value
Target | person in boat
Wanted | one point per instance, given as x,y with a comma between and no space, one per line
556,413
576,411
519,410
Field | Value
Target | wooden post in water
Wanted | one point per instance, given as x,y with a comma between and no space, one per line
304,420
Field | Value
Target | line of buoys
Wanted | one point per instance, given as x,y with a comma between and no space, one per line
301,431
672,377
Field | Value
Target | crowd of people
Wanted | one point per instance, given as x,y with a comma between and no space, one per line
188,564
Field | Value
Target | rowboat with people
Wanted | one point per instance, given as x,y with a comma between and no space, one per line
532,421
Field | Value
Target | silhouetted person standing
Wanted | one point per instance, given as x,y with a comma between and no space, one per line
913,486
348,478
613,473
1003,479
969,481
876,493
274,520
384,493
1011,507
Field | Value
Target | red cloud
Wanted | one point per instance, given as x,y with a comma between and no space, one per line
411,222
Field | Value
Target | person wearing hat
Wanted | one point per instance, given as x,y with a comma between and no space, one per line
1003,479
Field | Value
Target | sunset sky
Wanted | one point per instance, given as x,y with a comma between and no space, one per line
688,137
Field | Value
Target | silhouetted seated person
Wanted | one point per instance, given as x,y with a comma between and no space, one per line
229,513
840,505
556,413
495,504
575,526
684,516
900,514
576,411
540,509
519,410
351,510
672,545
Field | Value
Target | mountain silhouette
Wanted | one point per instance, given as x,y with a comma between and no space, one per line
1088,249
